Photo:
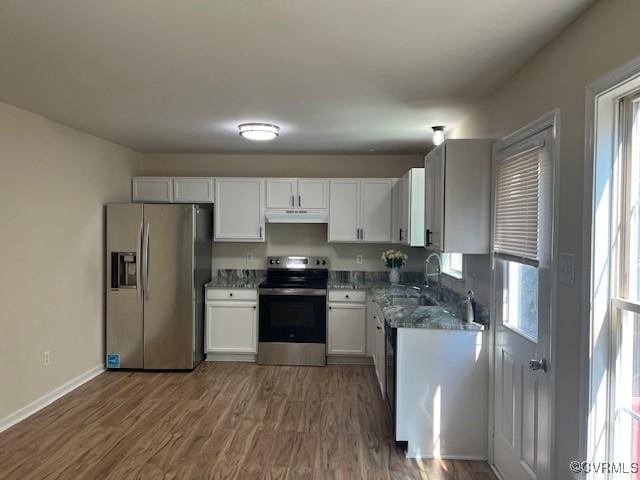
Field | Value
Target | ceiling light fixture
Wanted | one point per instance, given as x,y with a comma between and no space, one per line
259,132
438,135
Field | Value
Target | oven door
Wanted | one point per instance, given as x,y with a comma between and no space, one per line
293,315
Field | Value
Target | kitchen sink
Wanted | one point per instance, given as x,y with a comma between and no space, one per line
413,301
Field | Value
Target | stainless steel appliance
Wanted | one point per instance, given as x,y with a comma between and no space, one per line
158,260
293,311
390,335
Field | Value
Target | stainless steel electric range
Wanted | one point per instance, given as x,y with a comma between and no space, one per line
293,311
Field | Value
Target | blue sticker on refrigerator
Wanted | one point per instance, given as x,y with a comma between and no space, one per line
113,360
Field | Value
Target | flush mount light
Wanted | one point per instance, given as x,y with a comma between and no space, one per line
438,134
259,132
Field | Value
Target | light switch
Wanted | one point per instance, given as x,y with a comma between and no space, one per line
566,269
250,257
359,259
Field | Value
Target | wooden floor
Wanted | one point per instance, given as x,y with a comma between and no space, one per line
222,421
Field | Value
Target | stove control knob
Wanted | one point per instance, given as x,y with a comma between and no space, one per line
271,261
277,262
324,262
317,262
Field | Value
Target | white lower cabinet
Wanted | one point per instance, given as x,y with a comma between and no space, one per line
346,330
231,326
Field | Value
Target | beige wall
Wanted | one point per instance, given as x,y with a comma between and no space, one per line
605,37
54,182
279,165
309,239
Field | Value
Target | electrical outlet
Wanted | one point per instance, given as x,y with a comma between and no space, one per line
46,358
359,259
250,257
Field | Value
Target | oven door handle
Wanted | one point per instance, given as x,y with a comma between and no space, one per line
302,292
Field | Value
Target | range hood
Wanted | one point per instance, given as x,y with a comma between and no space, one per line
297,215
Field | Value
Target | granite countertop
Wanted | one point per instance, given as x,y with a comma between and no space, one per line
443,316
234,283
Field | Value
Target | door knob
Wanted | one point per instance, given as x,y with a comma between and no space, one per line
536,365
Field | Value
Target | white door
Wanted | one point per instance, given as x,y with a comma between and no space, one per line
282,192
344,210
522,319
239,209
232,327
313,193
375,200
346,329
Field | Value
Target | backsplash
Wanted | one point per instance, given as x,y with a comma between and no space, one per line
380,277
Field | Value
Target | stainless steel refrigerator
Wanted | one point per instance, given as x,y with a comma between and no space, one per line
158,260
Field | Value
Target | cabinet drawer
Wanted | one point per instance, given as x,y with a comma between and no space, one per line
231,294
350,296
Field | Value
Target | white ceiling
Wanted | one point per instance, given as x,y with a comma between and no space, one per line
336,75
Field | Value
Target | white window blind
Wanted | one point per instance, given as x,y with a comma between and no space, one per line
521,201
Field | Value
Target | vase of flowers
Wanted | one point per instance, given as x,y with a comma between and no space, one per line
394,259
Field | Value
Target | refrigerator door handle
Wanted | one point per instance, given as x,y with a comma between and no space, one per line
139,262
145,256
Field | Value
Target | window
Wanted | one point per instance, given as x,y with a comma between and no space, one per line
521,231
624,409
452,264
520,298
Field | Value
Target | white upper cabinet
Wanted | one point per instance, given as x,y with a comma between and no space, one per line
172,189
193,190
360,210
457,211
152,189
344,210
313,193
282,192
239,210
306,193
396,189
410,209
375,199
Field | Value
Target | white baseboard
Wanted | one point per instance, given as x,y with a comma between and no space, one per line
231,357
52,396
347,360
444,456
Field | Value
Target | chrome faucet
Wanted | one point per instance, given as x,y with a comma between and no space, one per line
437,273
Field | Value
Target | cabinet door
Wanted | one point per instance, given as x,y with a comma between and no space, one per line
434,198
344,210
232,327
405,194
396,195
282,192
313,193
416,208
151,189
380,357
239,210
375,206
346,329
193,190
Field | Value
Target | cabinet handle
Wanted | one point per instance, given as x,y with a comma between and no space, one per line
330,308
427,237
293,201
254,307
346,296
400,234
299,200
378,327
231,294
260,232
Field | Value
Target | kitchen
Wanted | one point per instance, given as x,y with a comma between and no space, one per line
304,240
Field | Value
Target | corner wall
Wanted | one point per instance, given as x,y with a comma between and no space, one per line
54,183
605,37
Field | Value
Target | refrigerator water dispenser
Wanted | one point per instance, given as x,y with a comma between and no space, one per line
123,270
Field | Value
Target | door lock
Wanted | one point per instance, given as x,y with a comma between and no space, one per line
536,365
